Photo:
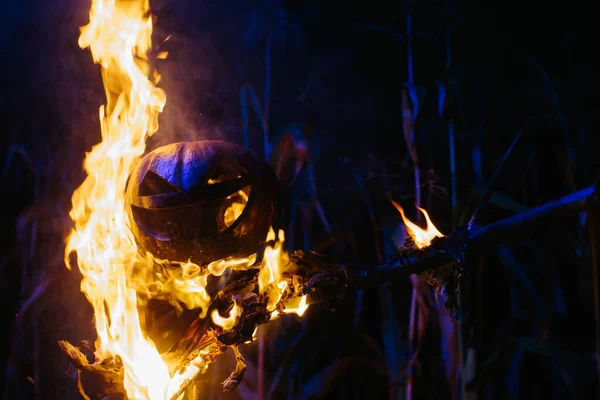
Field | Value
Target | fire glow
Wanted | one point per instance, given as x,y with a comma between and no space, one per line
421,237
113,270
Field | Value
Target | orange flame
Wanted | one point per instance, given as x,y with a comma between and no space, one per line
269,278
113,270
421,237
298,309
119,37
226,323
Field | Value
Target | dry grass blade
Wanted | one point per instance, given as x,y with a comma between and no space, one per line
489,189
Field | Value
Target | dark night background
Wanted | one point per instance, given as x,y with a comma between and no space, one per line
338,71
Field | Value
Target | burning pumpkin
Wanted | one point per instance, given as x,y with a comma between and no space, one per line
201,201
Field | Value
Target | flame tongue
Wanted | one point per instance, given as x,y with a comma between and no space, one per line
114,273
119,37
422,237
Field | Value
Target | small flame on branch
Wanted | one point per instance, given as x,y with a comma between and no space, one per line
421,237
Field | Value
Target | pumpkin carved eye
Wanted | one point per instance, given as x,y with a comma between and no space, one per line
223,173
154,184
233,205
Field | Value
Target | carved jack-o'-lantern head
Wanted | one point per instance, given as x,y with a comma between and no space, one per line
201,201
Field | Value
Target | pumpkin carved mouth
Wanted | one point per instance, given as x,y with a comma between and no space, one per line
201,201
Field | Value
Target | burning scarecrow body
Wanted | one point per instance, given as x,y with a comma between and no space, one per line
179,251
208,269
179,248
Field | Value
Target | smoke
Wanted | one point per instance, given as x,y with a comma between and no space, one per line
198,75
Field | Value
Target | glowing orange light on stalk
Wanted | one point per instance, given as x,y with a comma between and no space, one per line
421,237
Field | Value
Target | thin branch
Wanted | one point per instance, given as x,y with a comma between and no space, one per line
522,224
488,191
